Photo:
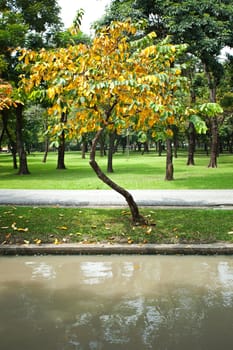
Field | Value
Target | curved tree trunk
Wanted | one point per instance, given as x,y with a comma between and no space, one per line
137,218
191,143
23,167
169,163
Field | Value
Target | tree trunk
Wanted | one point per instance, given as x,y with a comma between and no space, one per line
102,145
13,145
160,147
214,122
169,159
175,140
112,137
191,143
136,217
23,167
46,150
61,153
84,147
214,143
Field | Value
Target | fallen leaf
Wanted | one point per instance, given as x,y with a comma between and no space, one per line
5,227
56,241
14,226
37,241
148,231
20,229
62,228
26,242
130,240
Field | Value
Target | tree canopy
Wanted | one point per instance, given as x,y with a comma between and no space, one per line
115,84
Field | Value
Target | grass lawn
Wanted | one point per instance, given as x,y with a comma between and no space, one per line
57,225
132,171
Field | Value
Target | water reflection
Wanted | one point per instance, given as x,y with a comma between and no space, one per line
135,302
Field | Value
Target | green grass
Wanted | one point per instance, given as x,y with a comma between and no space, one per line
49,225
133,171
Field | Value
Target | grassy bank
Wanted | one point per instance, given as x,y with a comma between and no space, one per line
132,171
56,225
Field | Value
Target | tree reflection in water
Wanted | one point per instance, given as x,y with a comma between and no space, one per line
133,302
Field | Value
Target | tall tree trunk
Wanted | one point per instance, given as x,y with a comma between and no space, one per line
169,163
160,147
61,147
137,218
23,167
191,143
61,153
214,143
213,121
1,137
12,143
111,148
175,140
102,145
84,147
46,143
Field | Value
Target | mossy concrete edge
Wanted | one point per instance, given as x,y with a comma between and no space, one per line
120,249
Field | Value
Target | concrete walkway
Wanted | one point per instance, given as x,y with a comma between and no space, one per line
103,198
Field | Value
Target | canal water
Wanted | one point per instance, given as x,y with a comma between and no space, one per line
116,302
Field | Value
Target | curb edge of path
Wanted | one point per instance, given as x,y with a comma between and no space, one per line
120,249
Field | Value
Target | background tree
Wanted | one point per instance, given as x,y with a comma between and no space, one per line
207,28
26,24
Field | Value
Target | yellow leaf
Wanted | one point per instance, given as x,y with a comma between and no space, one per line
62,228
37,241
14,226
56,241
149,230
51,93
20,229
26,242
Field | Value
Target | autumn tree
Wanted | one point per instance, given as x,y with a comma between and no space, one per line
115,84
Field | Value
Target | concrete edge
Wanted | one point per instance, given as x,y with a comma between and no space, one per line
120,249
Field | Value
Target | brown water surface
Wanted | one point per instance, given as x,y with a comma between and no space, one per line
116,302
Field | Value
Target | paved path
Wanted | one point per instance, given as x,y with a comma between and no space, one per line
101,198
